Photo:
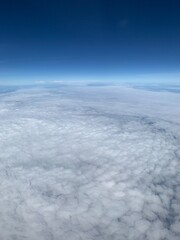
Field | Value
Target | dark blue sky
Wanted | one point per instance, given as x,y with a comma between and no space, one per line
88,39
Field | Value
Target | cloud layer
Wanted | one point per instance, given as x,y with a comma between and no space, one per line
89,163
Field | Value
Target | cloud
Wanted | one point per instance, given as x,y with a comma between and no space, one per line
40,82
123,23
89,163
58,81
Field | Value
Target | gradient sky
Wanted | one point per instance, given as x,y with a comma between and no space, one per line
54,40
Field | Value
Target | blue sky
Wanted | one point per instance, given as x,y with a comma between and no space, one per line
89,40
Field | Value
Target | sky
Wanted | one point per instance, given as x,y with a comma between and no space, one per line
98,40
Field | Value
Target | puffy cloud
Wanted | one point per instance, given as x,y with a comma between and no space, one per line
89,163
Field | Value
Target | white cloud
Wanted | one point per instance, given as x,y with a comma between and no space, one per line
40,82
89,163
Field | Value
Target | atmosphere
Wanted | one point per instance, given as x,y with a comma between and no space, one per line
98,40
90,120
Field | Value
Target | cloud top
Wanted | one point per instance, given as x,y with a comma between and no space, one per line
89,163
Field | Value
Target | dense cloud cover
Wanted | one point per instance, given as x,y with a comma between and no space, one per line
89,163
